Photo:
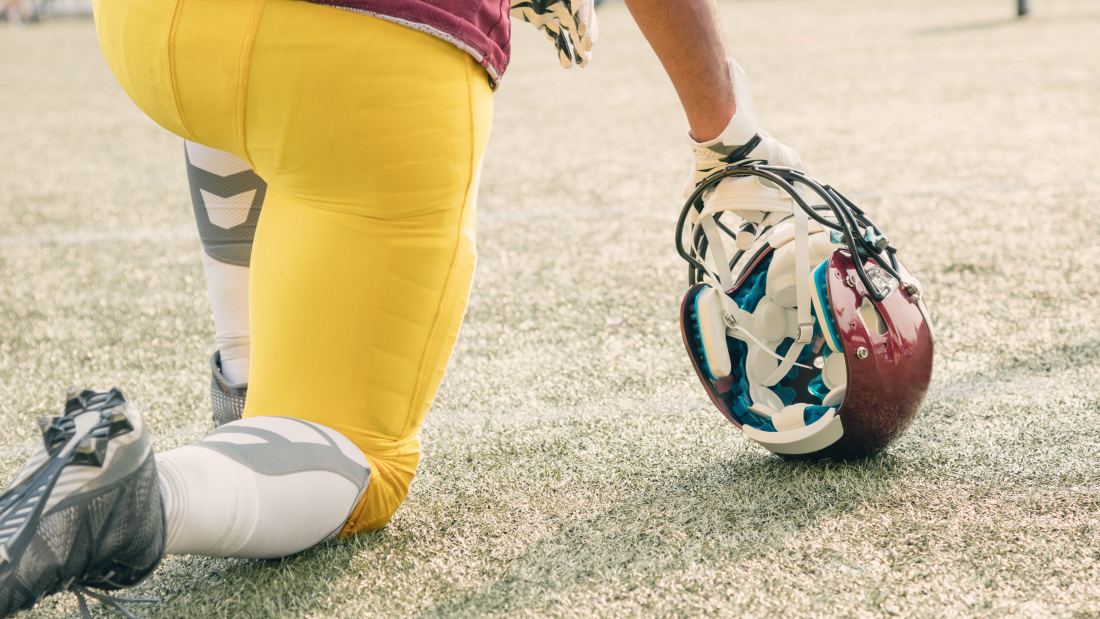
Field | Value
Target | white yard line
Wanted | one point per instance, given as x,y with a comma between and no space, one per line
76,238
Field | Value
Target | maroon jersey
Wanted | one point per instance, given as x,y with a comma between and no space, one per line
480,27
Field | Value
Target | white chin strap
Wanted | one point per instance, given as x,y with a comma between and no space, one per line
774,320
802,287
721,276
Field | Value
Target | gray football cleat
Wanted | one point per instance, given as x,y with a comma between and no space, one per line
226,398
85,510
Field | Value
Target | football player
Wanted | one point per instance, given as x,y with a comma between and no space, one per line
338,302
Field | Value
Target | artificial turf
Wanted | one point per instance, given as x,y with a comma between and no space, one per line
572,465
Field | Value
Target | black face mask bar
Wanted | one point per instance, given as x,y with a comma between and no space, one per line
861,236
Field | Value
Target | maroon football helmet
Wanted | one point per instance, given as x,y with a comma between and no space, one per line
812,338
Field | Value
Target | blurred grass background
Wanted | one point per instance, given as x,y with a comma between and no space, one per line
572,465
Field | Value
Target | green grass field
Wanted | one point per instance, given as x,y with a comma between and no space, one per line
572,464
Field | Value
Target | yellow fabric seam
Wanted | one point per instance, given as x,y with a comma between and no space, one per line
176,13
440,309
243,70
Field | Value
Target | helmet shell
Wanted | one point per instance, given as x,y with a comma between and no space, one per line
887,386
888,373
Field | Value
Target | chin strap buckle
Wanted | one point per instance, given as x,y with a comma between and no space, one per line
730,320
805,332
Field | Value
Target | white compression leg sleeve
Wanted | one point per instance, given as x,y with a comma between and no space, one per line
227,285
227,196
260,488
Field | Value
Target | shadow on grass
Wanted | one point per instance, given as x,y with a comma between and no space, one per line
647,512
1007,21
680,518
1056,358
651,524
984,25
289,587
1041,363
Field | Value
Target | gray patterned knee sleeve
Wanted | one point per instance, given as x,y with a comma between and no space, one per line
227,196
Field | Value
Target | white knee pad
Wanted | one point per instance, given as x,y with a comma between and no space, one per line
260,488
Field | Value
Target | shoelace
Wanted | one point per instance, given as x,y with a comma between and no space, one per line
110,600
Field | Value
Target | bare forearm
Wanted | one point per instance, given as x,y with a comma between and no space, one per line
688,38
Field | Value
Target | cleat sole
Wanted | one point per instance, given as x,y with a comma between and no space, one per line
21,505
119,424
56,431
73,392
85,527
90,451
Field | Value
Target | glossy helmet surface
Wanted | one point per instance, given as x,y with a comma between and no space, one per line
844,386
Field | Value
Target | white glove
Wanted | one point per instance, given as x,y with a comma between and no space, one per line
570,24
742,127
756,201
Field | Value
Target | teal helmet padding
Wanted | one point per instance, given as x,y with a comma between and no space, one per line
747,297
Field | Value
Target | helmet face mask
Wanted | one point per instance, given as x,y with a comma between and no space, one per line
813,339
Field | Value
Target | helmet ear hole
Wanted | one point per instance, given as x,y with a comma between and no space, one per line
871,317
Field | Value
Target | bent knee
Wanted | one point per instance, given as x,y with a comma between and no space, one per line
389,485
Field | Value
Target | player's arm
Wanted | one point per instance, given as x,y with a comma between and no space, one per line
688,38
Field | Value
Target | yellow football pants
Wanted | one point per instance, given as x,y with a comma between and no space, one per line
370,137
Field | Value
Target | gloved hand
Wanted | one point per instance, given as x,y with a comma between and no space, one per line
570,24
715,153
758,202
